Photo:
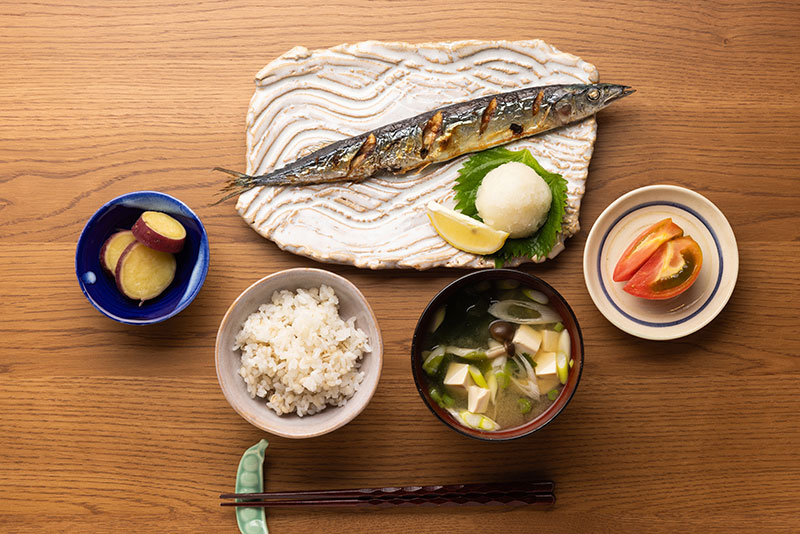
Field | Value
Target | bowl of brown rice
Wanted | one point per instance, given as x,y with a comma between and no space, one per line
299,353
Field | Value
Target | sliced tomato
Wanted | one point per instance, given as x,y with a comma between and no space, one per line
643,247
670,271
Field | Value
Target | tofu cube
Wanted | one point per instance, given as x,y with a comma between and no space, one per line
550,340
458,376
545,364
478,400
527,340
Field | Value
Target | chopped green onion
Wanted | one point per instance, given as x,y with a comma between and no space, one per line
571,363
553,394
491,379
473,420
432,363
511,368
502,379
447,400
562,367
524,405
487,424
523,312
438,319
475,355
558,327
477,421
459,351
435,395
507,284
484,365
477,376
564,344
536,296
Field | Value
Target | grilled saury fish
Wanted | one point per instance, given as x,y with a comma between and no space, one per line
439,135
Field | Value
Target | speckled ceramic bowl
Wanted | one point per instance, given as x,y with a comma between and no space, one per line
567,318
228,361
626,218
100,287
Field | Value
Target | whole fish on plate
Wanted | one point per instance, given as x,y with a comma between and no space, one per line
439,135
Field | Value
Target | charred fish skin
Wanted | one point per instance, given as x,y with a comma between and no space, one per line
440,135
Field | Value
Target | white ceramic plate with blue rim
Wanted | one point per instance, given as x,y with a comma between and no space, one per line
622,222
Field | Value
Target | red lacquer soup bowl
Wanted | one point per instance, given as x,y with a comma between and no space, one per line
556,301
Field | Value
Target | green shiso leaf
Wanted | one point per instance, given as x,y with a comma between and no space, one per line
469,179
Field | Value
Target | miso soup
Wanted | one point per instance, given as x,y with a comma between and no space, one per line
497,355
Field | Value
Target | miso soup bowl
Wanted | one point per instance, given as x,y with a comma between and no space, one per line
568,319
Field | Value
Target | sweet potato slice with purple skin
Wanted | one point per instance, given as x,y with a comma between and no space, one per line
159,231
112,249
143,273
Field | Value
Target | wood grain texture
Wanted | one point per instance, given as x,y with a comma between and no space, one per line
111,428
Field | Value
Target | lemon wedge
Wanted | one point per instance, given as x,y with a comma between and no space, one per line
463,232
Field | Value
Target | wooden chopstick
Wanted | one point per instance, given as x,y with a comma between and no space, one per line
517,498
433,490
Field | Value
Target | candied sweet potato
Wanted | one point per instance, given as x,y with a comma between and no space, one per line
144,273
112,249
159,231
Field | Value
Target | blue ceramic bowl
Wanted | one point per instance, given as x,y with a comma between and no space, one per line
120,214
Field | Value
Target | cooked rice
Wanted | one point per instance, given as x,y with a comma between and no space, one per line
299,354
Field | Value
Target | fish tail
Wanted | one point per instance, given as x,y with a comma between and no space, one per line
237,184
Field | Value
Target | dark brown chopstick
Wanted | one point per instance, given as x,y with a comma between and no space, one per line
508,493
441,500
404,491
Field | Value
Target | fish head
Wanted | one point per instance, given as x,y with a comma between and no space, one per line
575,102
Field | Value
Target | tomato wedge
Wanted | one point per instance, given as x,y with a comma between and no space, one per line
670,271
643,247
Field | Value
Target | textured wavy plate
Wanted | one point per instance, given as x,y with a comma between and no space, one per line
306,99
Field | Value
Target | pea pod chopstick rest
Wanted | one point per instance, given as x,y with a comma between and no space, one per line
250,479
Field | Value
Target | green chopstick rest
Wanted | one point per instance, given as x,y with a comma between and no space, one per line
250,479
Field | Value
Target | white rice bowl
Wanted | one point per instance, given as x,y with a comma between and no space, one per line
299,354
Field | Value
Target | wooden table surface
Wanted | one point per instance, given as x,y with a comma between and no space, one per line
112,428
